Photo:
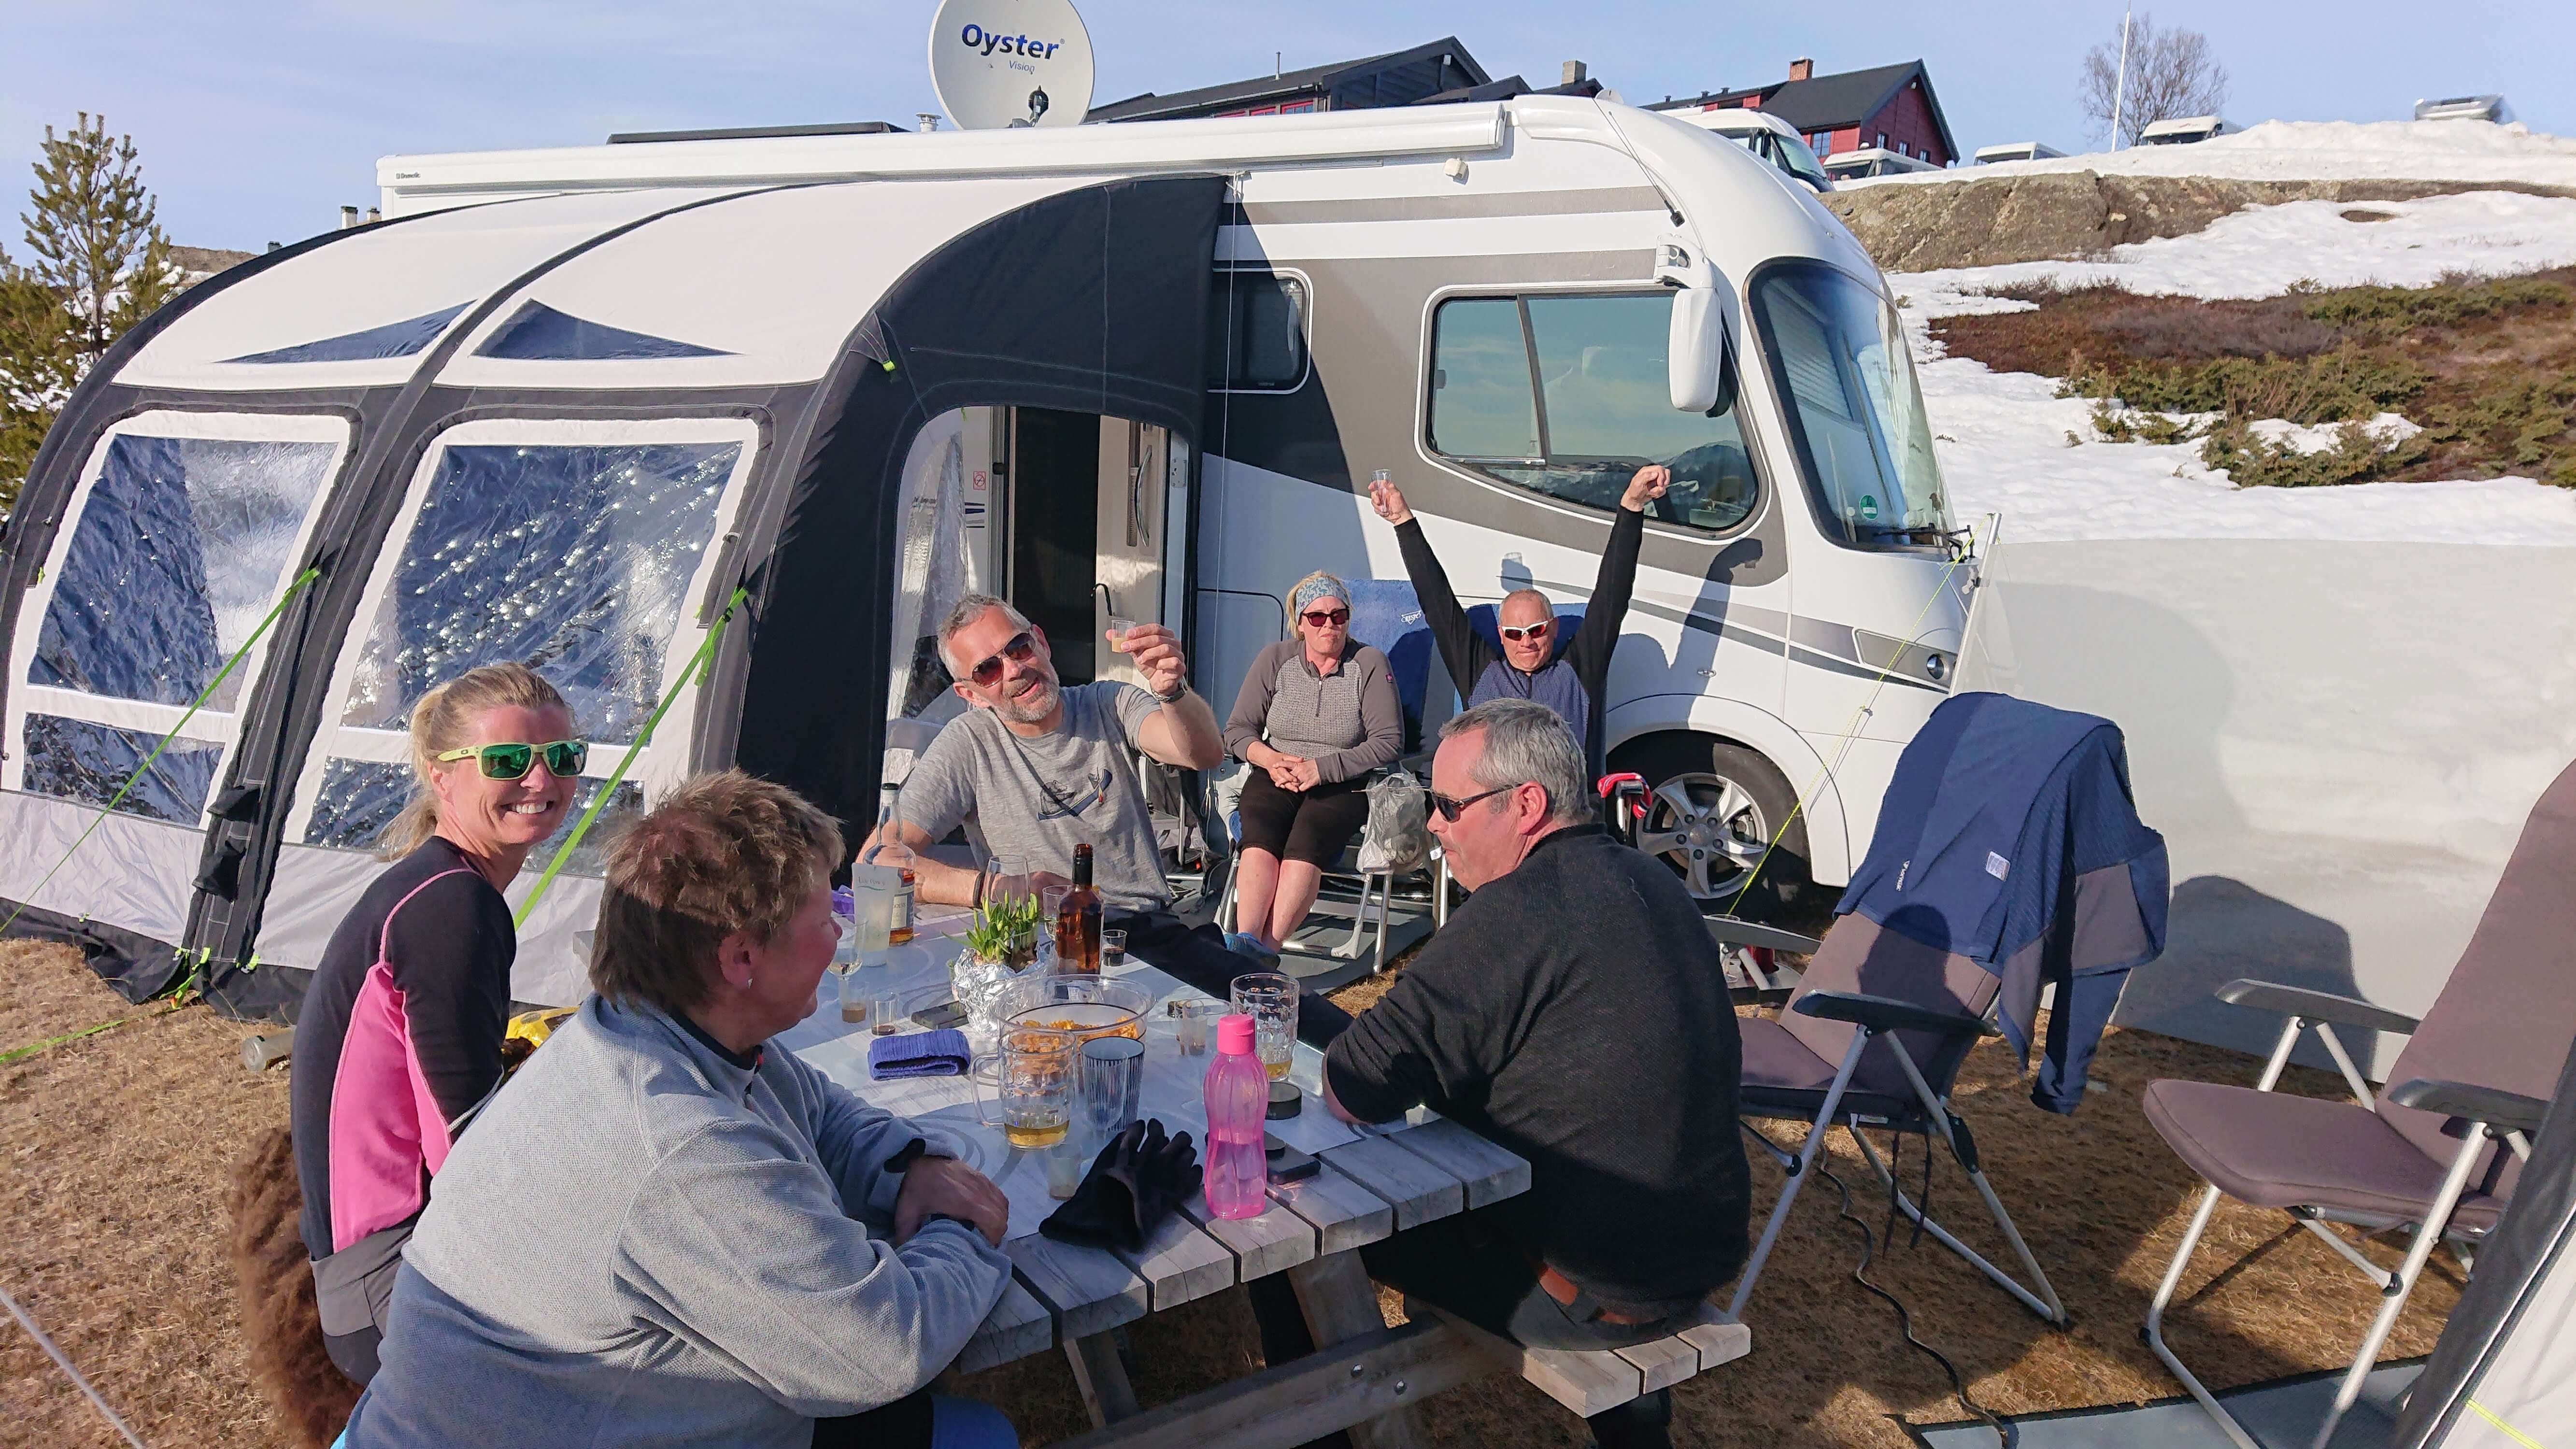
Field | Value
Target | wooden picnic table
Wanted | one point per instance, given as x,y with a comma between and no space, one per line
1373,1182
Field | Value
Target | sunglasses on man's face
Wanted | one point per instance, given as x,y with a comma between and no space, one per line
1449,807
1021,650
564,758
1327,618
1518,632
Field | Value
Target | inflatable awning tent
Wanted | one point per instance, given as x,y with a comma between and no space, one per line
559,429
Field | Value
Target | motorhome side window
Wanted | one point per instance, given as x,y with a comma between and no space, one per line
1257,333
1840,364
1567,395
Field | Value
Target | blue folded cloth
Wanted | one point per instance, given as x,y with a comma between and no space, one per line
941,1053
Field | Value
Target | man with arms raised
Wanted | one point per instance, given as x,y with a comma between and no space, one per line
1536,660
1044,768
1573,1011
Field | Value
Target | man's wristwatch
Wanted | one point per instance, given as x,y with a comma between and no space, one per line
1175,696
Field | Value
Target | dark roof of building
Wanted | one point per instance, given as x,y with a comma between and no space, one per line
1830,102
1313,80
1508,87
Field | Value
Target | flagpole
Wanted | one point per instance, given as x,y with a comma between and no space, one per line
2120,89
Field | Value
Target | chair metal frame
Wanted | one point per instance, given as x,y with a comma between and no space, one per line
2491,1116
1881,1017
1375,885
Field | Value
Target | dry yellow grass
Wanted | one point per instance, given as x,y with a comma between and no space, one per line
114,1153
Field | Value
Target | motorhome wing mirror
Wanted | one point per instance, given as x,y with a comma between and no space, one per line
1695,349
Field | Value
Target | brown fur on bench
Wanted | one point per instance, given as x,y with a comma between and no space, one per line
281,1324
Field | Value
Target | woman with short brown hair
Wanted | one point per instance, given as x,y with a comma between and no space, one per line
668,1229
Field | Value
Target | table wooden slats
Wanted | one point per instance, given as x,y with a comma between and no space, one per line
1180,1262
1344,1214
1274,1242
1087,1291
1487,1173
1419,1190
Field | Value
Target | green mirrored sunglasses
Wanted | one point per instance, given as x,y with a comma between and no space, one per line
564,758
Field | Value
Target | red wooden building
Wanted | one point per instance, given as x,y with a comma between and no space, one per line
1890,106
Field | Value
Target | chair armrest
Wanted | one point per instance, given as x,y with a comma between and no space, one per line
2315,1006
1885,1013
2503,1111
1728,931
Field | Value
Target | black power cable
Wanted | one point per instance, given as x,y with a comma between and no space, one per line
2004,1432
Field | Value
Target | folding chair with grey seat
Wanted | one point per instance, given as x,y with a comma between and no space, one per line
2008,857
2423,1155
1874,1036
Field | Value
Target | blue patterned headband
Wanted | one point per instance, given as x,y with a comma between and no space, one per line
1325,587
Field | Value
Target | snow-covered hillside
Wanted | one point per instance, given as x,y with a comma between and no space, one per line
2321,151
2003,438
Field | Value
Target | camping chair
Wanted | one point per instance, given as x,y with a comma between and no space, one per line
2477,1071
1873,1036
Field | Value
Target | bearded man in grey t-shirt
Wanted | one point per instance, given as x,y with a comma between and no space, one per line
1044,768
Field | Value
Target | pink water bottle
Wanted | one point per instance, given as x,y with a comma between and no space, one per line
1238,1102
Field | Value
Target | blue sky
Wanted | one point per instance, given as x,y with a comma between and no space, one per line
256,122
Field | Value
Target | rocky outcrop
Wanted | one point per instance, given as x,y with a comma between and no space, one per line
1985,221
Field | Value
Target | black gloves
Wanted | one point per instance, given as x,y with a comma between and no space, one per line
1138,1180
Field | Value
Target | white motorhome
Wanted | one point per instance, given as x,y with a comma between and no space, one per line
566,403
1873,161
1763,134
2489,108
2017,151
2185,130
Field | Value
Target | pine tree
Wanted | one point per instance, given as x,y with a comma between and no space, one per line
98,265
95,237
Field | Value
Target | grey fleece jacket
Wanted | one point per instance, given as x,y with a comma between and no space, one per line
1348,722
641,1243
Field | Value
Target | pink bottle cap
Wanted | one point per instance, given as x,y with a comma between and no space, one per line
1234,1035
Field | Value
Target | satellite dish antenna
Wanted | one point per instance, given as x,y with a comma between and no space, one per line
997,63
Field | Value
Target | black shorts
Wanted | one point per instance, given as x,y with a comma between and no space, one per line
1314,826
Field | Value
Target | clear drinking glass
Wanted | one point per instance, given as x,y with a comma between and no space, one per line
885,1012
1270,999
1112,1077
1113,950
1193,1020
875,901
1065,1163
1032,1082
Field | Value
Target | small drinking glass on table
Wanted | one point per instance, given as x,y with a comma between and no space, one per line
1270,999
1193,1019
885,1011
1113,949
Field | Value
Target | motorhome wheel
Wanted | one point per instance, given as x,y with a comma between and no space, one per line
1711,812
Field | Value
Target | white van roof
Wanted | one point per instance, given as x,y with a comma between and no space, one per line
2184,128
1736,120
2017,151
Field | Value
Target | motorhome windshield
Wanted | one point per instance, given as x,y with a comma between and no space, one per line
1567,395
1840,364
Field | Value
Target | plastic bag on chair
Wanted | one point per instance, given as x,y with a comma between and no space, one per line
1398,837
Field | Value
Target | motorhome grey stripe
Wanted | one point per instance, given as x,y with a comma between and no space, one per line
1812,630
1589,202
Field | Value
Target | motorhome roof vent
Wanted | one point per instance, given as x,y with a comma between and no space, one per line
394,339
539,333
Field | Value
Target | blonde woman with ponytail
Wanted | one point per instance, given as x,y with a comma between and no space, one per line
401,1029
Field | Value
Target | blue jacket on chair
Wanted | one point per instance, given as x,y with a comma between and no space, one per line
2010,832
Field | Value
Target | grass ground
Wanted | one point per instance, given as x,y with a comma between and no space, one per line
115,1150
2487,367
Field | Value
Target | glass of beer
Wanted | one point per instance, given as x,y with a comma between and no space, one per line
1270,999
1032,1082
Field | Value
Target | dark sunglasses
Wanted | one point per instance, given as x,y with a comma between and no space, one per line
564,758
1021,650
1449,809
1517,632
1319,618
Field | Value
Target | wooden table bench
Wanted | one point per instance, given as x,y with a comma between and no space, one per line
1372,1183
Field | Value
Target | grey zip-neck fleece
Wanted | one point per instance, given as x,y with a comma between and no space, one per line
639,1243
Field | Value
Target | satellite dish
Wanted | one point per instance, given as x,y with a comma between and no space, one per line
999,63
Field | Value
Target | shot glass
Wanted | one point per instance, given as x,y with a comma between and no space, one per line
1270,999
885,1011
1193,1020
1113,950
1065,1163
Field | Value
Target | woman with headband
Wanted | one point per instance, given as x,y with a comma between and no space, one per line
1317,713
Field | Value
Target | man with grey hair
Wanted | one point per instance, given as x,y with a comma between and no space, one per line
1574,1011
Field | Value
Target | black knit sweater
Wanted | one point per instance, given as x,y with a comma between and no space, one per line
1575,1012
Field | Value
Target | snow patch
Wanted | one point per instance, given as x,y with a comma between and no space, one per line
2315,151
2387,429
2262,251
